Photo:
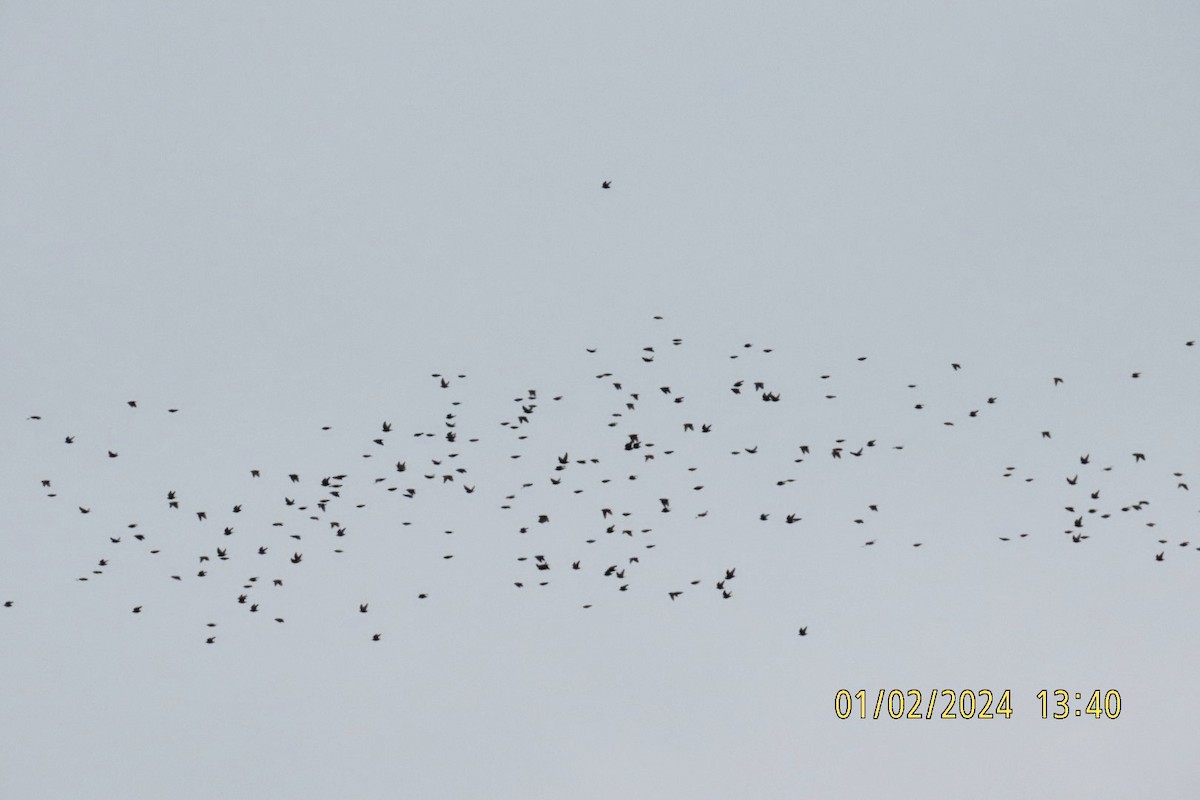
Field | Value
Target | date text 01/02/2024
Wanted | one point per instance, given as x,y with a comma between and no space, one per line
972,704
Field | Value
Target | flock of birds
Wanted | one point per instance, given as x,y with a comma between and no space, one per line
525,484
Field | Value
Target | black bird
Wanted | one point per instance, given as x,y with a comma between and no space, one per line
804,631
606,185
362,607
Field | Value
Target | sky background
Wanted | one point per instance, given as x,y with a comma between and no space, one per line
279,217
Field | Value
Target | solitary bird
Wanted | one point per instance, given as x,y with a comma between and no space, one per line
606,185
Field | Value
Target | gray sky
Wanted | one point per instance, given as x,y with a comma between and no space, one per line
281,217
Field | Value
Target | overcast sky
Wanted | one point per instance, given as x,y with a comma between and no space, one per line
282,219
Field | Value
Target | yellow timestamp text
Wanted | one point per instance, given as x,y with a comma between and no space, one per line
970,704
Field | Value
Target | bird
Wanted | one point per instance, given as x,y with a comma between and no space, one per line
804,631
607,185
